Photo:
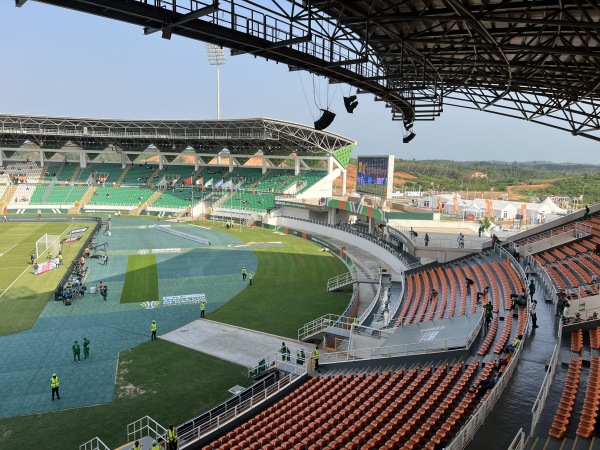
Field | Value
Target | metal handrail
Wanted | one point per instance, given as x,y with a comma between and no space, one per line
276,359
322,323
366,236
468,430
94,444
342,279
519,441
363,317
146,426
212,423
540,401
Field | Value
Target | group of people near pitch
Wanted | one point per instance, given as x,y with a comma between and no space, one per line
54,380
170,442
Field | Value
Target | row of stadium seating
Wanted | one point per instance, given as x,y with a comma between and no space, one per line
29,172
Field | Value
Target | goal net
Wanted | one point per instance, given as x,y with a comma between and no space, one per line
48,243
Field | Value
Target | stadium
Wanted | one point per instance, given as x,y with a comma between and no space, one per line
291,310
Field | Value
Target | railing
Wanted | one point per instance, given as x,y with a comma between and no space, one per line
363,317
291,362
322,323
415,348
540,400
94,444
240,404
395,306
351,304
467,432
146,426
518,442
249,221
342,280
542,273
366,236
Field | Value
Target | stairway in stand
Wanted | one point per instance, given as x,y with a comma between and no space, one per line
8,195
152,199
127,169
86,198
43,174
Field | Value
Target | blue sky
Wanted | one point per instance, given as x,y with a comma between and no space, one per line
59,62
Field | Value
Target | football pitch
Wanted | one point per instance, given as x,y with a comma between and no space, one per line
22,294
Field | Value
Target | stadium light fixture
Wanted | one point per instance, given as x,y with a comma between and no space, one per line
216,57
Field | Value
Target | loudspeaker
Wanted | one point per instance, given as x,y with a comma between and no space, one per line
167,31
350,103
325,120
408,138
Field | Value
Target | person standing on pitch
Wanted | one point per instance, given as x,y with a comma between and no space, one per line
54,383
243,274
32,256
153,330
76,351
86,348
250,277
202,308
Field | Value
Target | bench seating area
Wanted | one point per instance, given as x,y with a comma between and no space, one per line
121,196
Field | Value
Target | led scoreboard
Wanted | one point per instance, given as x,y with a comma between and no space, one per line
375,175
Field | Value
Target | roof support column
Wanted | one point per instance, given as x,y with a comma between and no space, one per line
124,160
296,165
41,158
1,157
230,163
196,163
161,161
83,159
264,163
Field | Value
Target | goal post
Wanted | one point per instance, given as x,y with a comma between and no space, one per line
48,243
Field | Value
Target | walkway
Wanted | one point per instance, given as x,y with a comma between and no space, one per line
230,343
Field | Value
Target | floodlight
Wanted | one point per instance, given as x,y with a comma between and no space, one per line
216,57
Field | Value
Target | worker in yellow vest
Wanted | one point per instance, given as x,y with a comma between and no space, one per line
137,446
315,356
155,445
54,383
153,330
172,438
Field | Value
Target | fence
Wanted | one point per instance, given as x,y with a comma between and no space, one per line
415,348
342,280
540,400
146,426
467,432
292,362
518,442
376,300
94,444
342,323
232,409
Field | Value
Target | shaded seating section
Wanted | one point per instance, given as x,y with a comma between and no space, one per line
273,180
100,173
67,173
565,407
121,196
141,174
414,408
50,171
589,415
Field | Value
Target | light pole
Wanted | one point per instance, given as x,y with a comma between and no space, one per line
216,57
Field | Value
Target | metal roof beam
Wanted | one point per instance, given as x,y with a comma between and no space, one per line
188,17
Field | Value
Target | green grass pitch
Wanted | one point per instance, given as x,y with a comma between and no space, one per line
22,294
141,279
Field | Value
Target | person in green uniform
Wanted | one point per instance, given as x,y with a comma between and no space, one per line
76,352
54,383
153,330
155,445
531,289
86,348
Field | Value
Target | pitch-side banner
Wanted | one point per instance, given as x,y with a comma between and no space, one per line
176,300
78,230
47,266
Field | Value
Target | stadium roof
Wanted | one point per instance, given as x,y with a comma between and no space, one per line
536,60
239,136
